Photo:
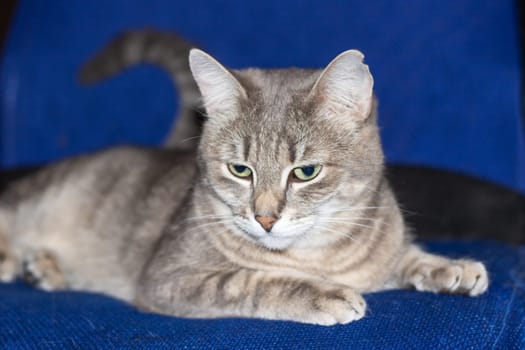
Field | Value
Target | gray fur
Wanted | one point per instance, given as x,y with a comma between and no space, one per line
176,233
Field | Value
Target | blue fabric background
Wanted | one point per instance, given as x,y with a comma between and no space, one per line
447,73
31,319
448,78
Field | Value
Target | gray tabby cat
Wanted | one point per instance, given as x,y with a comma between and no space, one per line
282,213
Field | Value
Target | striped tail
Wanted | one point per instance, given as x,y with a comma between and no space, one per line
165,50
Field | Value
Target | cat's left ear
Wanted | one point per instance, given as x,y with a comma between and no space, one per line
345,87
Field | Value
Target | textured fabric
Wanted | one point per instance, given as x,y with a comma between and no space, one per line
31,319
447,73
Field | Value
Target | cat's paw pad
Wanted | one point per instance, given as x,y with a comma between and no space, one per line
8,267
453,276
338,307
41,270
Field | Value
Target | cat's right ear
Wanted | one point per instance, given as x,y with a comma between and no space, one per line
220,90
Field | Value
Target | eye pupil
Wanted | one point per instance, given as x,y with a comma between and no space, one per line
239,168
308,170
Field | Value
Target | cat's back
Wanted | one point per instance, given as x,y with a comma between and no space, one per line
108,188
100,171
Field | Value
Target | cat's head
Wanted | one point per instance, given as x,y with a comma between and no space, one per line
287,150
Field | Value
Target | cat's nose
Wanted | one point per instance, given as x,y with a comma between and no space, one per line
266,221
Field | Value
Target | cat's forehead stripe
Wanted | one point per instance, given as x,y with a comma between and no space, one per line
257,146
291,151
246,146
299,151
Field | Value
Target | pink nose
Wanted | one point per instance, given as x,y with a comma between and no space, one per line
266,221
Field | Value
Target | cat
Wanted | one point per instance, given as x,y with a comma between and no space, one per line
283,211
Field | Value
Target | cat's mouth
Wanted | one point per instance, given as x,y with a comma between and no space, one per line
270,240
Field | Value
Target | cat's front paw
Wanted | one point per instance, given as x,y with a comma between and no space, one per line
41,269
338,306
450,276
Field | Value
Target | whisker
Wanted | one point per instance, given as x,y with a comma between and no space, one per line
209,224
217,220
189,139
358,208
350,219
350,223
348,235
193,218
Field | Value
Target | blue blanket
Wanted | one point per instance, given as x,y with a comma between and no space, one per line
31,319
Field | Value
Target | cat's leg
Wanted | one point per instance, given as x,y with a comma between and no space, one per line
247,293
429,272
9,266
42,270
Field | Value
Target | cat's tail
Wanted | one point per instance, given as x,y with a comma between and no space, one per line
165,50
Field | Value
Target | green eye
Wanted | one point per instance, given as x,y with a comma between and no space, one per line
307,173
240,170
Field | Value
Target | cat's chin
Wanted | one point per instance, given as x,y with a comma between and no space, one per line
268,241
275,243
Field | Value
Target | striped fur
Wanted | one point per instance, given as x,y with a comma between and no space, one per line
176,233
165,50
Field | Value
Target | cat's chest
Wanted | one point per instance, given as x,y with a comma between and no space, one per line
359,269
